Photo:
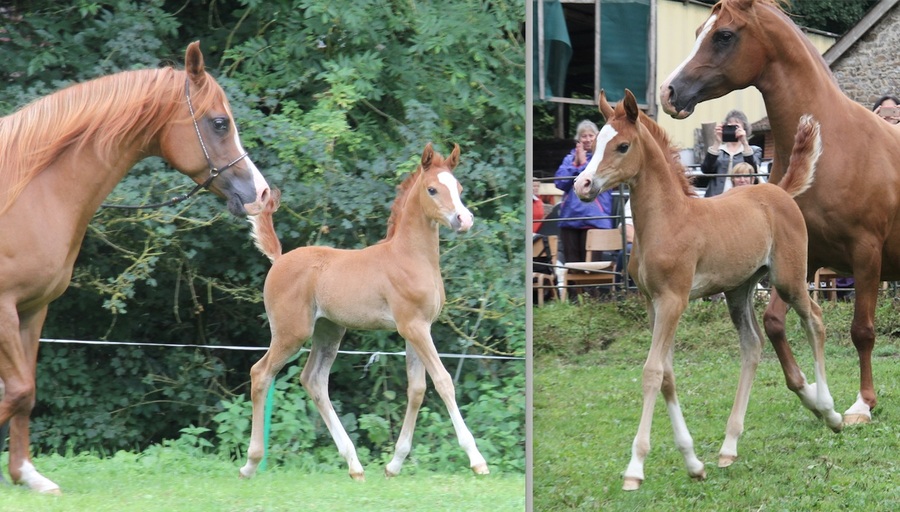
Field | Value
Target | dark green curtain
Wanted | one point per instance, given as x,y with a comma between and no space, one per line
624,50
557,50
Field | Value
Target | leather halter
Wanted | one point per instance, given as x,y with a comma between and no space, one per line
213,170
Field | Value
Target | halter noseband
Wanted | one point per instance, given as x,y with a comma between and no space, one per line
213,170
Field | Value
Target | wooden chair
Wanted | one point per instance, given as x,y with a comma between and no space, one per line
543,282
825,278
590,271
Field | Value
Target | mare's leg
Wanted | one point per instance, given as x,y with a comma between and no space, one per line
289,331
4,433
658,375
415,392
740,308
325,342
862,331
19,337
418,334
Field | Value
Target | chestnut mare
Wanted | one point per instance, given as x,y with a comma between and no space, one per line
59,158
316,293
851,210
731,241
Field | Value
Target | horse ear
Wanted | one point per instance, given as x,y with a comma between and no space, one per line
427,155
193,62
631,108
453,160
605,109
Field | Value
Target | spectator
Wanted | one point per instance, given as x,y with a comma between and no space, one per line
730,147
537,206
741,175
886,107
581,215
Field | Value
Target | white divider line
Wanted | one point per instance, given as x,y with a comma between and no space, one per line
229,347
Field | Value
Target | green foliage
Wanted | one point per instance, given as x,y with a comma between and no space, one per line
494,411
334,102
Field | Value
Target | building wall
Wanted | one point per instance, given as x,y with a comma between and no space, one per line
677,22
871,67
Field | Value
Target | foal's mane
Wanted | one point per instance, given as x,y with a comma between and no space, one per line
403,192
664,141
100,113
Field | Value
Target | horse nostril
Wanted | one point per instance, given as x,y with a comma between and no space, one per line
264,197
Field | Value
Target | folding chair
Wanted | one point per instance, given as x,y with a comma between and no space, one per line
590,271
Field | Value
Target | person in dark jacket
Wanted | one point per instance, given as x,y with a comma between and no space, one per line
731,147
573,232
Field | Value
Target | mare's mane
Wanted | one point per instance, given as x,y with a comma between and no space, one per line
664,141
403,191
100,113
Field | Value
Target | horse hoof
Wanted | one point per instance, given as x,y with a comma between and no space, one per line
359,477
52,492
481,469
631,483
856,419
726,460
699,477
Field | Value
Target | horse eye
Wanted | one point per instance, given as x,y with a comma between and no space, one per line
724,37
220,124
623,147
432,191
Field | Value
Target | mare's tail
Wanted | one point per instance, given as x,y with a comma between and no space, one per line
263,232
802,166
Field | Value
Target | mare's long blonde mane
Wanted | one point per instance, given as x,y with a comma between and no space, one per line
403,191
100,113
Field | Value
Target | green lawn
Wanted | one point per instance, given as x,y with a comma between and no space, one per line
587,399
167,480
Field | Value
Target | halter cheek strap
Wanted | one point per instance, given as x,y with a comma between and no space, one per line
213,170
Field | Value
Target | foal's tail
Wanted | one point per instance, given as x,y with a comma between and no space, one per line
263,232
802,166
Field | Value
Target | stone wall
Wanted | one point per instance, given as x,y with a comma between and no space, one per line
871,67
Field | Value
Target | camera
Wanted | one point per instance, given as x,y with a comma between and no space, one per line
729,133
889,111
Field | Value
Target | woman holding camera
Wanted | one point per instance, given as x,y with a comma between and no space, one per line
731,147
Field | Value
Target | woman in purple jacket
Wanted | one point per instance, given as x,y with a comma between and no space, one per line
580,216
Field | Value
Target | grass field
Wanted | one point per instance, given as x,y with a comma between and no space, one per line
167,480
587,399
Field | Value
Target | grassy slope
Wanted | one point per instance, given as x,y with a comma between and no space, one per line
588,398
170,481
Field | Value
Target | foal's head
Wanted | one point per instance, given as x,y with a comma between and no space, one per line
202,141
439,191
619,150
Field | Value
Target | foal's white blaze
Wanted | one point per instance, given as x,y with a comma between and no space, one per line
607,133
703,33
461,215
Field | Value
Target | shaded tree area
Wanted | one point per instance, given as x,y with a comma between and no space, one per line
335,102
834,16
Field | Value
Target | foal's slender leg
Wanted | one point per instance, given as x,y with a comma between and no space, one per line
773,321
415,392
325,342
817,397
418,334
19,337
289,332
658,375
740,307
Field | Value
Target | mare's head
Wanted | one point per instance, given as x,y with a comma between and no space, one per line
439,191
731,51
203,143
